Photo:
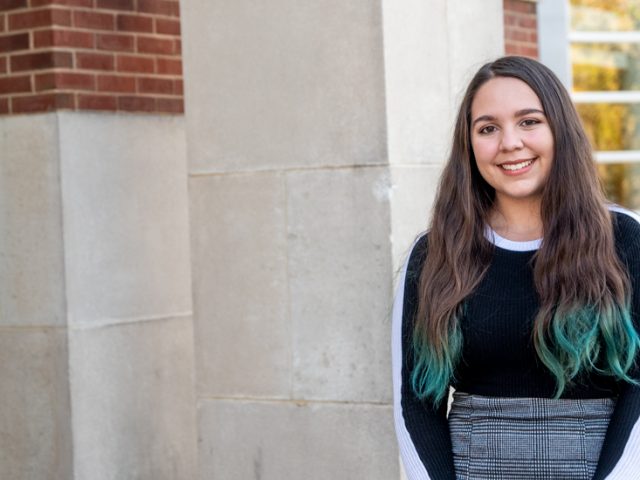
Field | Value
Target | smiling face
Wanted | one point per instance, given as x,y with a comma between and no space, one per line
511,140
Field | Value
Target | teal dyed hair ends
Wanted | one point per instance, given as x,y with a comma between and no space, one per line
583,340
432,372
588,339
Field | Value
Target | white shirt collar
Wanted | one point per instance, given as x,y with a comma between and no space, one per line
514,245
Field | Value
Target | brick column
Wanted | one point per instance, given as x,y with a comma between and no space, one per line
521,28
109,55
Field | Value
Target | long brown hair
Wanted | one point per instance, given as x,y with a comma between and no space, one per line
580,325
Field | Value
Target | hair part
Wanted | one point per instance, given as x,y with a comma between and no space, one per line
580,326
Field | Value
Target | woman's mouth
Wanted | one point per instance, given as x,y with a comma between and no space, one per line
518,165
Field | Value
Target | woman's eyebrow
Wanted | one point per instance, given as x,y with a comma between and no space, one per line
483,118
519,113
527,111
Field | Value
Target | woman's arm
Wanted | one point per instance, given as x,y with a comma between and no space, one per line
422,431
620,454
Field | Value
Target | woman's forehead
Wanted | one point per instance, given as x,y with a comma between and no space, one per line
504,95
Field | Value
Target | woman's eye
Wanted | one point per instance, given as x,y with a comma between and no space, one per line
529,122
487,130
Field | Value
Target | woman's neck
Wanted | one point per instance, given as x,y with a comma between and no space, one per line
517,220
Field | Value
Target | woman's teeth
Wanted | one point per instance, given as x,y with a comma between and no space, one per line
517,166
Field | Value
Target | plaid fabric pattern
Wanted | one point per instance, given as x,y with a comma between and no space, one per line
527,438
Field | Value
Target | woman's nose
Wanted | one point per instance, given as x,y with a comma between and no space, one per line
510,140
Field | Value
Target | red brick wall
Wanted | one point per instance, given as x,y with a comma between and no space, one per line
521,28
114,55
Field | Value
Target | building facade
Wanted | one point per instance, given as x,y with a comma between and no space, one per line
204,205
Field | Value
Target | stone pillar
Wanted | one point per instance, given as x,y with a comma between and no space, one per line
96,334
316,134
35,428
290,217
128,296
431,51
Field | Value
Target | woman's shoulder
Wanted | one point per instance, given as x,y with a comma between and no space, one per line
418,254
624,215
626,224
626,229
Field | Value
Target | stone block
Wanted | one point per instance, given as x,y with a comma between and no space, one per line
472,43
133,401
419,116
276,441
340,270
239,244
126,219
31,250
35,427
413,193
283,84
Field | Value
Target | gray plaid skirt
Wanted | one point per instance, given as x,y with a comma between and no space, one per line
527,438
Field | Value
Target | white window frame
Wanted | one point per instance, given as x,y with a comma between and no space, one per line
555,38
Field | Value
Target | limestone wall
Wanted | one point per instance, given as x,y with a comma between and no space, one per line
208,296
316,133
96,332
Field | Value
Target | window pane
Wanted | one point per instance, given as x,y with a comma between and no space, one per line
605,15
612,126
605,66
622,183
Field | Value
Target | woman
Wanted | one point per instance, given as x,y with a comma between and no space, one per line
524,296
